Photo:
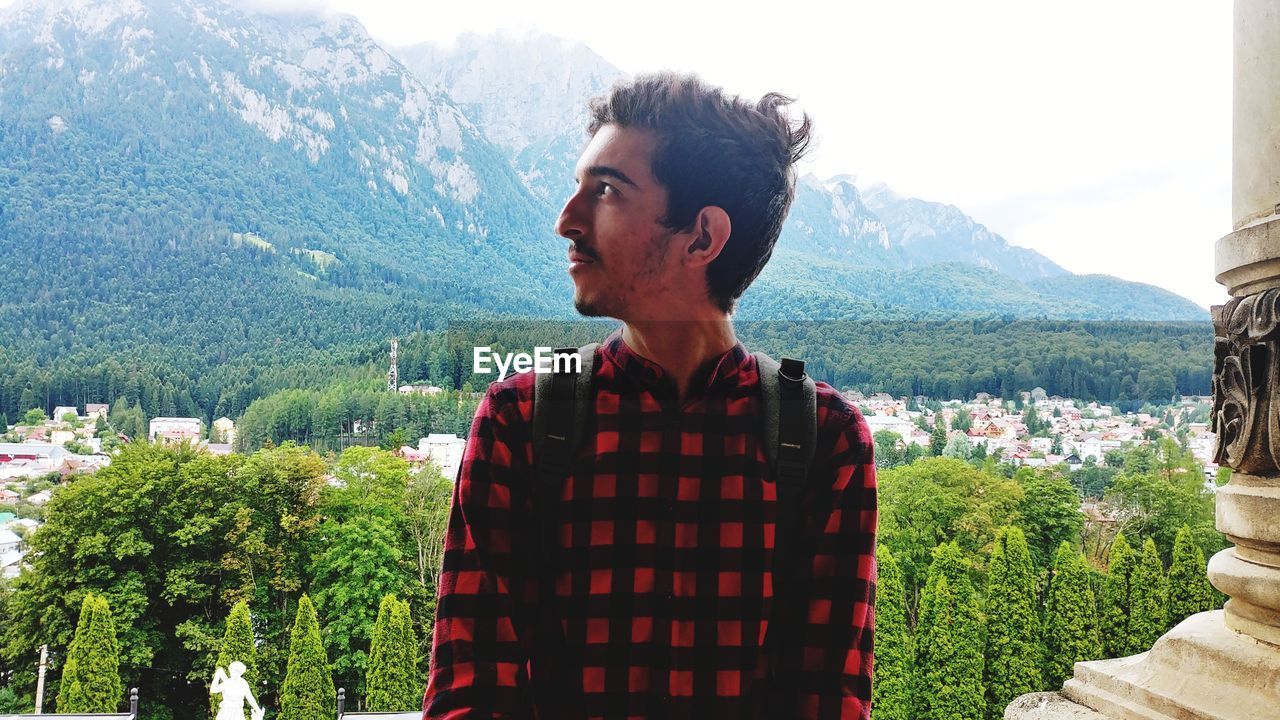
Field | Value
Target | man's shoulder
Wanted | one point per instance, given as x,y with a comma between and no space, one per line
837,415
512,397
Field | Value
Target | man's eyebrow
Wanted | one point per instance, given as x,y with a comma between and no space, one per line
606,171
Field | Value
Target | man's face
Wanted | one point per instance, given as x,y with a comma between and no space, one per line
622,257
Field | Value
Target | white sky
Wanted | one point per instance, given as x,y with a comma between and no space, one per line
1097,132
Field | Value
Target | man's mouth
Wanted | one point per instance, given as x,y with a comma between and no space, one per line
578,259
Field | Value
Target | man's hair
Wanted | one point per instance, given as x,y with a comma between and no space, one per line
715,149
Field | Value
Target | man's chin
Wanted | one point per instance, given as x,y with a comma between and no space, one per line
589,307
586,308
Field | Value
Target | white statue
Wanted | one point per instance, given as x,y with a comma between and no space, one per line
234,691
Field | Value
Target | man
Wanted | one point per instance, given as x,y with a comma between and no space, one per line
663,565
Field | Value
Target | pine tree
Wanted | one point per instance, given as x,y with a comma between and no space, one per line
380,681
948,681
1148,600
413,683
238,646
1115,599
1070,625
1013,650
950,685
308,692
1189,588
938,438
91,673
891,698
393,680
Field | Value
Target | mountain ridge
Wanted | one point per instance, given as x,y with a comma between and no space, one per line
185,170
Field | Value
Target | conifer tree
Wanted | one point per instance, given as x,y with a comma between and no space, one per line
1189,588
414,682
393,680
238,645
308,692
948,682
938,437
1013,639
1148,600
950,686
1070,625
1114,603
91,673
891,698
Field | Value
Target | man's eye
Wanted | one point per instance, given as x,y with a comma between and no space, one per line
606,189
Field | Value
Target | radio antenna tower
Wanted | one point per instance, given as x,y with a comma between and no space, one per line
393,373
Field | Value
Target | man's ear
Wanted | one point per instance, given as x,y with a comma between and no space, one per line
711,229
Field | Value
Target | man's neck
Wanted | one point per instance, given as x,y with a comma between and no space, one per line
681,347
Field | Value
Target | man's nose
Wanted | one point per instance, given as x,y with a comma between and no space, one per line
571,223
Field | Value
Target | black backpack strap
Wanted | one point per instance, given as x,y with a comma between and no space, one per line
789,408
561,407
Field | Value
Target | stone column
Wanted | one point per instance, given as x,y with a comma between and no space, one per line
1224,665
1246,356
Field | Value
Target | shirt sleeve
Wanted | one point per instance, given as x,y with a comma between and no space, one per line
480,647
834,647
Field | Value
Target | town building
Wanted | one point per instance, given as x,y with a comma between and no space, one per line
224,431
174,429
445,450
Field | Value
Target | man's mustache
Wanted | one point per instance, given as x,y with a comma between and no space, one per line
584,250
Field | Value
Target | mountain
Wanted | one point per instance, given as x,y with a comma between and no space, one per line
193,180
271,177
928,232
529,93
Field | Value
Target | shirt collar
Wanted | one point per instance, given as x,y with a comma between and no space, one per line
726,367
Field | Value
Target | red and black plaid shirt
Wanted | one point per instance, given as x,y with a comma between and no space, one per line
665,554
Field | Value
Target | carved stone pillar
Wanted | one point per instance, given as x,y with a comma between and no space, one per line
1224,665
1246,418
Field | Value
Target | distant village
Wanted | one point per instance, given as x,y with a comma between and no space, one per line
1035,430
1040,430
37,457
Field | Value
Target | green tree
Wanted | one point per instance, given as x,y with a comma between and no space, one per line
940,500
308,692
958,447
414,680
1161,489
949,662
1189,588
1050,512
1148,600
34,416
428,502
938,436
394,682
887,453
370,550
173,537
359,564
91,673
1115,603
239,645
948,641
1070,618
11,703
1013,650
891,692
